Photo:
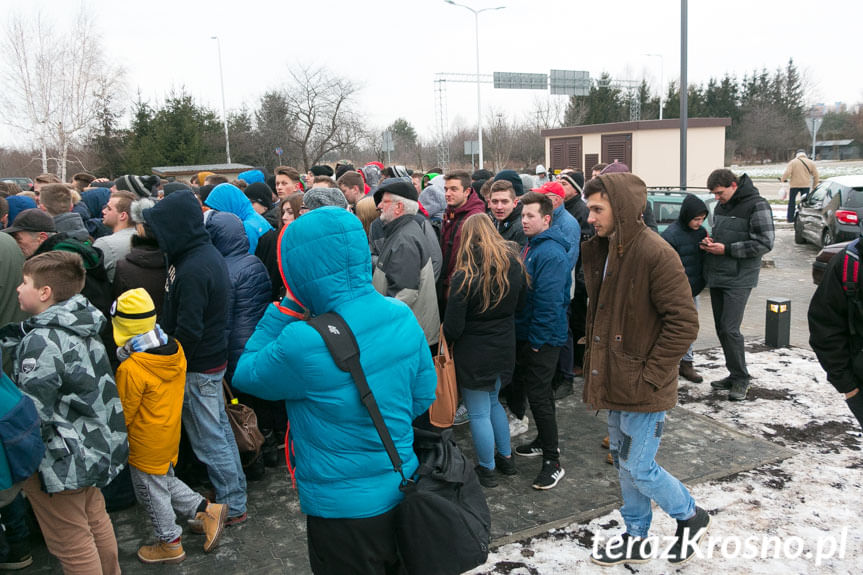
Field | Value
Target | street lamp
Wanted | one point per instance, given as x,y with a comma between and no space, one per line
476,14
224,113
661,79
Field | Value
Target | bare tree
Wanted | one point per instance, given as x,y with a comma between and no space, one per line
500,134
325,118
52,82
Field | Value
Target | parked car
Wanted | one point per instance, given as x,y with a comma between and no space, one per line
819,266
26,184
666,202
831,212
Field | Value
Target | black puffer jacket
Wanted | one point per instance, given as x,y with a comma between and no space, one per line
685,241
510,229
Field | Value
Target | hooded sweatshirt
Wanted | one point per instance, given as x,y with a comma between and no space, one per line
686,241
195,310
229,198
641,317
450,233
343,470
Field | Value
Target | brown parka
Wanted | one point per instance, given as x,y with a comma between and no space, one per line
641,318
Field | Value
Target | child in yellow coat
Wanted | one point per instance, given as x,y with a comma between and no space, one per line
151,381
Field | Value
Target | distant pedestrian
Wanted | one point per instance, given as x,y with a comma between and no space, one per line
802,177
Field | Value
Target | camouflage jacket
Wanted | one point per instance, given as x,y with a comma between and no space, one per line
59,361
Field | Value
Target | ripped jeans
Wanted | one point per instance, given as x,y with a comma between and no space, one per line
634,440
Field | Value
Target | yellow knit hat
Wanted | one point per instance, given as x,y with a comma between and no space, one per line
132,314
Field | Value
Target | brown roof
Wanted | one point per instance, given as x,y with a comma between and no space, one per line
670,124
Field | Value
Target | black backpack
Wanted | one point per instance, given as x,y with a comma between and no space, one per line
443,523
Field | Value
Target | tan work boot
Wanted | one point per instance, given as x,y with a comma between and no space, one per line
609,458
605,443
213,522
686,371
162,552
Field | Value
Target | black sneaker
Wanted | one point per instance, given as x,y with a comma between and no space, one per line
549,475
724,383
486,476
738,390
564,389
505,465
623,549
532,449
688,534
17,558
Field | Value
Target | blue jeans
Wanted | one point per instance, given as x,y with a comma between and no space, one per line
212,438
634,440
488,424
688,355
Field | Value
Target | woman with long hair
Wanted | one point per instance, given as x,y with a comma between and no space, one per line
291,208
488,285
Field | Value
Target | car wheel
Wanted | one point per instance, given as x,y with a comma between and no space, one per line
827,238
798,231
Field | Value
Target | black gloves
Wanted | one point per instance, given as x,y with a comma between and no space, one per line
855,404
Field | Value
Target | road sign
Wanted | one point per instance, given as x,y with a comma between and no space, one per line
813,123
570,82
519,81
387,142
471,147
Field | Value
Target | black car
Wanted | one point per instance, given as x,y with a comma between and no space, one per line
831,212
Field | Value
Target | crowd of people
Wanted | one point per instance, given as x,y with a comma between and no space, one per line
129,304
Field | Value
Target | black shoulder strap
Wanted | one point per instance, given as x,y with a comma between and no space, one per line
805,165
343,347
850,277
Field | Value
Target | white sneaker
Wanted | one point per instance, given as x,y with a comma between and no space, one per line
517,426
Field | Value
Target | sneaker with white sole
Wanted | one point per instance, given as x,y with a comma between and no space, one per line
518,426
549,475
461,415
532,449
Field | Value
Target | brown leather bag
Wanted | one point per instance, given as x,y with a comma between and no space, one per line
442,411
244,423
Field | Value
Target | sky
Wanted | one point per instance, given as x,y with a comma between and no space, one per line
392,49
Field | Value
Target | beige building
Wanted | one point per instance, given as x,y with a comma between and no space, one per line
186,173
651,148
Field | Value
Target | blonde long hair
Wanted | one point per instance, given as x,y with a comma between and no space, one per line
484,258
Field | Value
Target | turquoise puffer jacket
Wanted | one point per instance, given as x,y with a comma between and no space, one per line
342,468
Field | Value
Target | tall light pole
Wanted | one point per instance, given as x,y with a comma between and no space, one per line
661,79
476,14
224,113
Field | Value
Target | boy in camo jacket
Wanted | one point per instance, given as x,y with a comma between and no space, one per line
60,363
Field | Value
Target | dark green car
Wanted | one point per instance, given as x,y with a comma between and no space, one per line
665,204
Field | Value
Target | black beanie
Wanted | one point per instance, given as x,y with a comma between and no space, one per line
512,177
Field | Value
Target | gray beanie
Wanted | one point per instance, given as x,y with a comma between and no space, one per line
320,197
136,210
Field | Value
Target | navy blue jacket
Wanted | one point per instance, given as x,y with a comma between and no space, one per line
251,290
196,305
543,318
686,241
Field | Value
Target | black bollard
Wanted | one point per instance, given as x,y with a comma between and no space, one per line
777,327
